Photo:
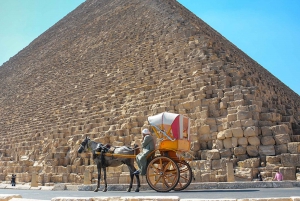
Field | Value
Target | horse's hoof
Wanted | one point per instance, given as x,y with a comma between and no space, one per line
137,190
104,190
128,190
96,190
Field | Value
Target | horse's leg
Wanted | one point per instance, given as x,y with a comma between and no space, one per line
138,183
132,169
104,177
131,179
99,176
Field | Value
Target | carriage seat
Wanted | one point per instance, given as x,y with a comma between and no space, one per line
150,157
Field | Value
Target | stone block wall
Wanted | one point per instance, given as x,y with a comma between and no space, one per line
105,67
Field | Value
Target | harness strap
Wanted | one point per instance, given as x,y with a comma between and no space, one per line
116,155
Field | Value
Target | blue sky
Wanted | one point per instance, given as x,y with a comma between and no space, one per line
267,30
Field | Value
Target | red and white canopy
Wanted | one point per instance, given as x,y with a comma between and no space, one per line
179,124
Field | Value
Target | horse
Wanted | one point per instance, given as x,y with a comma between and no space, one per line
103,161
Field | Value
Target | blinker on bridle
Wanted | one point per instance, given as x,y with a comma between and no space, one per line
85,143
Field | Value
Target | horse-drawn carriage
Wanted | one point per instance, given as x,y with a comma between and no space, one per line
167,168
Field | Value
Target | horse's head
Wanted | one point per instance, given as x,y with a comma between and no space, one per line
83,145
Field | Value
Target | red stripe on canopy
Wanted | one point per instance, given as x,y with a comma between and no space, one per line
176,128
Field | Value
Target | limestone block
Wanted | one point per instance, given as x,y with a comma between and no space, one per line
289,173
228,133
235,124
294,147
242,115
227,143
216,164
234,142
237,103
210,121
237,132
266,150
205,137
266,131
218,144
251,131
249,163
239,151
204,129
223,126
290,160
267,140
231,117
255,108
221,135
213,154
223,105
243,141
225,153
204,114
254,141
195,146
243,174
205,177
273,159
255,115
280,149
238,96
280,129
232,110
266,123
242,108
249,122
274,117
282,139
252,150
56,178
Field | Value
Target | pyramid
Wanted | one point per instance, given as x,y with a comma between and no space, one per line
108,65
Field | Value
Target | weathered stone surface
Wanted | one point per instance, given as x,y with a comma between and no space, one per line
254,141
267,140
252,151
239,150
251,131
289,173
101,76
212,154
266,150
290,160
227,143
237,132
294,147
249,163
243,141
280,149
273,159
266,131
282,139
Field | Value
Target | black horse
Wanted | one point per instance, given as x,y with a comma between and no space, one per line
103,161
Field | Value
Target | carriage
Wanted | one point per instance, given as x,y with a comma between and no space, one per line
167,167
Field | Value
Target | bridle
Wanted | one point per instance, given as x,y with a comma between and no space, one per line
84,144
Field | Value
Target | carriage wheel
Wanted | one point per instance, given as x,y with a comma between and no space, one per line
186,176
162,174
